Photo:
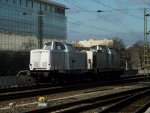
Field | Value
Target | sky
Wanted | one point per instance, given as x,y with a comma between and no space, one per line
100,19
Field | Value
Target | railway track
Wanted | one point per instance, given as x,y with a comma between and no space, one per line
137,103
29,91
89,103
40,85
86,98
4,97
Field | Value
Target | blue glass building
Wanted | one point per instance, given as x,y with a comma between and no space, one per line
28,24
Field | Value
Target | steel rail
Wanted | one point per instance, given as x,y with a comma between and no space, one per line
117,106
143,108
78,106
87,104
39,86
51,90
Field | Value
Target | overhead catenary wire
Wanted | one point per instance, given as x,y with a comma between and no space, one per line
117,9
108,11
91,12
120,25
90,26
101,17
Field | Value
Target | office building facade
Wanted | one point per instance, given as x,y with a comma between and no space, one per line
28,24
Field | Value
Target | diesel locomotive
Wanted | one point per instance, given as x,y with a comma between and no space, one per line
60,61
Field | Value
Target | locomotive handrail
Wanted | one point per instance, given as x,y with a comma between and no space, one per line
126,63
27,71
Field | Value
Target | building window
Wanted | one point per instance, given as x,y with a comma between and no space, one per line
42,7
26,3
20,2
17,2
60,11
29,3
32,4
53,9
45,7
49,8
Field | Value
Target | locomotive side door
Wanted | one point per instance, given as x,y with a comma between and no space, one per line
58,56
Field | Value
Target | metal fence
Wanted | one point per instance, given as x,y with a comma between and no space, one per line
16,81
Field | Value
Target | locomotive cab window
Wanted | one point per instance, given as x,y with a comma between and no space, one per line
93,47
59,46
70,47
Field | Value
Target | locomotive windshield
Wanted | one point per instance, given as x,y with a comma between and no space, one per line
94,47
101,48
70,47
59,46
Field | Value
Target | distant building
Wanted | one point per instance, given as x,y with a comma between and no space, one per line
92,42
27,24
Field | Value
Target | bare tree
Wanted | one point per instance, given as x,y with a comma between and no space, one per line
118,43
120,46
136,52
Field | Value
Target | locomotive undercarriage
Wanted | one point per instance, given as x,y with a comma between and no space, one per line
74,76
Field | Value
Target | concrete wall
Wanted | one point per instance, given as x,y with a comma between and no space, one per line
17,42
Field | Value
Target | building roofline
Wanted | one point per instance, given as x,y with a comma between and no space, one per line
53,3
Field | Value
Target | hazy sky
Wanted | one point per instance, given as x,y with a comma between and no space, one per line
120,18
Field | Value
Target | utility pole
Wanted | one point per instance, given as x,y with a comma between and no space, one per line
146,61
40,29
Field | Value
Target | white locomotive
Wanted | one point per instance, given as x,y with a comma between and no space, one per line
61,61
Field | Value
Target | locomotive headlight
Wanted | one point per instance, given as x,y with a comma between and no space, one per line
49,66
30,66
